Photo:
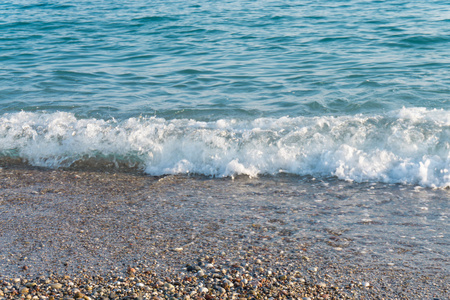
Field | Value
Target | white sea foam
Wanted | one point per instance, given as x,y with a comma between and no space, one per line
410,146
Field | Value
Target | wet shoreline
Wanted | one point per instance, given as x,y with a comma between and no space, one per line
72,223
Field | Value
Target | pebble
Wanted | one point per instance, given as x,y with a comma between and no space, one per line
221,290
169,286
227,284
224,281
56,286
282,277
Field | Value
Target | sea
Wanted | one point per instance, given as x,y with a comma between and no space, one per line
357,90
339,109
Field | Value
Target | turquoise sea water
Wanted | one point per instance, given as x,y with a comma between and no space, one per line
354,89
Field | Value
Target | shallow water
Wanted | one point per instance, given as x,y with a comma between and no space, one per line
378,231
383,225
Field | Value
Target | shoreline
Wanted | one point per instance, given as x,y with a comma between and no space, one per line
61,226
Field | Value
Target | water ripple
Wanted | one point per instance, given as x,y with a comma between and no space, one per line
274,57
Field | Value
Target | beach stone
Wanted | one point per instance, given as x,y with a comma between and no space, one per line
322,284
24,291
78,295
221,290
169,287
190,268
366,284
227,284
282,277
56,286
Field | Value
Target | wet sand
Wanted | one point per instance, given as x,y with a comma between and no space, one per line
313,237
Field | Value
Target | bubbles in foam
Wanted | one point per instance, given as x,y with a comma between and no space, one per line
410,146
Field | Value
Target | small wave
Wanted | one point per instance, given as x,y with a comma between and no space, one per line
425,40
409,146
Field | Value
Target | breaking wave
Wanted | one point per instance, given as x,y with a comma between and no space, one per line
409,146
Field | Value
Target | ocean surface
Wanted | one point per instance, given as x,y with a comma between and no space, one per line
353,90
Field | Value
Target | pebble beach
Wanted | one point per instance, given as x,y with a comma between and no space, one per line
69,234
224,149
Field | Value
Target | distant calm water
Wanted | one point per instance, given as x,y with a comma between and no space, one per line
354,89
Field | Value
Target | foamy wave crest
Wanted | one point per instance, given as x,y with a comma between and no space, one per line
410,146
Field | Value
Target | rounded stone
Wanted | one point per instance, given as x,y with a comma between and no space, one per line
168,286
56,286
